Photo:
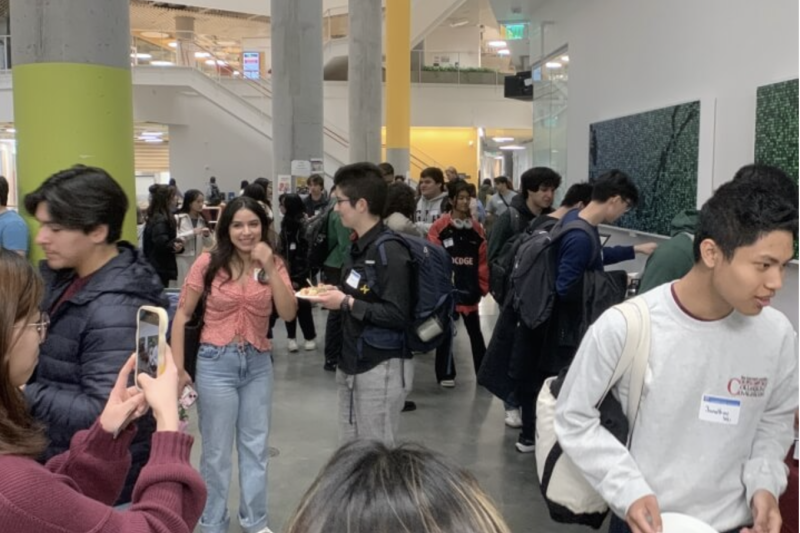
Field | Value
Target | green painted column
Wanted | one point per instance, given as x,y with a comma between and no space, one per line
72,93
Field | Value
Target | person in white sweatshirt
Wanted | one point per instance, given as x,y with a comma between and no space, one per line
193,230
716,416
433,200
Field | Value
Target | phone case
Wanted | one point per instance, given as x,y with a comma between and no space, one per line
163,321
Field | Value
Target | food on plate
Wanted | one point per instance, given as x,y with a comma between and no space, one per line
312,291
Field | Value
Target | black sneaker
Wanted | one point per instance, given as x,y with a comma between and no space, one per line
525,445
409,406
330,366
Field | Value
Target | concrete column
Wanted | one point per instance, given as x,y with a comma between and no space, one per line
398,84
297,97
365,79
184,35
72,92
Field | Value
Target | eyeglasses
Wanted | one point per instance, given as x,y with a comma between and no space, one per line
41,326
628,205
341,200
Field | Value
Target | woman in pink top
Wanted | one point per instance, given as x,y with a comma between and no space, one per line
74,492
234,364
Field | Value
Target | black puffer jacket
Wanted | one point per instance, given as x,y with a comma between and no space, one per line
158,243
91,336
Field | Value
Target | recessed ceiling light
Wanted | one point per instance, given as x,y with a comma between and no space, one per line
11,130
172,44
142,56
512,147
504,52
236,72
162,63
552,64
459,23
496,44
152,133
154,140
221,62
565,59
211,62
201,55
502,139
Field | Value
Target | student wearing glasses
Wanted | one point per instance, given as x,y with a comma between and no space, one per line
94,284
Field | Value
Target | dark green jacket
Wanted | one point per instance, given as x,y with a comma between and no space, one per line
338,241
673,258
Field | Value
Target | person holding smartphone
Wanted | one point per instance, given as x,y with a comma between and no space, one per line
81,485
241,277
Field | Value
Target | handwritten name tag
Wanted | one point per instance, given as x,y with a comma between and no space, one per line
720,410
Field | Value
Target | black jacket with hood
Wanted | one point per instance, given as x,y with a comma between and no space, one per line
91,336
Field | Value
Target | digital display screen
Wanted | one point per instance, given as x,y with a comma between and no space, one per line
147,344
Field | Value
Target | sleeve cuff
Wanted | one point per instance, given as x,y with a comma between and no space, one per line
771,478
632,490
102,444
168,447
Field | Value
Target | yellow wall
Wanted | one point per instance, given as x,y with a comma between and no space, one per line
443,147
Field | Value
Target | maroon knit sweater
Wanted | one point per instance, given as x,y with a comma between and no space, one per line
74,491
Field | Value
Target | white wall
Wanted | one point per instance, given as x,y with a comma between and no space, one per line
454,45
208,141
628,56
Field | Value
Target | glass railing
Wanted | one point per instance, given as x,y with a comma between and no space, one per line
462,68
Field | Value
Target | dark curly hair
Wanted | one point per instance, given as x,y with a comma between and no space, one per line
400,199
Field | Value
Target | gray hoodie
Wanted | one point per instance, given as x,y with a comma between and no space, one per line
428,211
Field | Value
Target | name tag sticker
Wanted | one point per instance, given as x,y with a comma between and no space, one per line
720,409
369,262
353,279
293,246
448,243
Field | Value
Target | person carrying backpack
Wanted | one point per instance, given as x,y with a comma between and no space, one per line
294,248
375,369
545,344
213,194
464,240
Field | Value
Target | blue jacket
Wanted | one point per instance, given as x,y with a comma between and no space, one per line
91,336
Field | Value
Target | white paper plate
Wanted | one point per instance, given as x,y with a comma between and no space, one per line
682,523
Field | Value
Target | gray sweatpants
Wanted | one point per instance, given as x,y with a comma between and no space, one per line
370,403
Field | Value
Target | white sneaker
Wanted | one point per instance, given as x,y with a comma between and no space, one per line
265,530
292,345
513,418
310,345
448,383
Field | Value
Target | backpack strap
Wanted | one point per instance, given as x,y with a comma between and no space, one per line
516,220
562,229
635,355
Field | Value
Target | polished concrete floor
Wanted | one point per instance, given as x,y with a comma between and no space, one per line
465,423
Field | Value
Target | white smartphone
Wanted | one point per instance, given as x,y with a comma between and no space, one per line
151,341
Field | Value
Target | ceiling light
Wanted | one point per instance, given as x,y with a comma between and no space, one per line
504,52
236,73
162,63
512,147
152,133
221,62
496,44
552,64
173,44
459,23
142,56
499,157
565,59
211,62
201,55
502,139
154,140
155,34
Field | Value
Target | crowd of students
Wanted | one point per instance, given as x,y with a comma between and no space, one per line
714,336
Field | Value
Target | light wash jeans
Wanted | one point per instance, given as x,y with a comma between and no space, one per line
370,403
234,397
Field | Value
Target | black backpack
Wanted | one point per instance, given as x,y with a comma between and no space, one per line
501,266
532,283
317,238
214,195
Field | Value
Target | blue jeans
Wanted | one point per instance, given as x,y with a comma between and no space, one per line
234,397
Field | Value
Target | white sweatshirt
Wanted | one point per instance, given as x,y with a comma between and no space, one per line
706,469
429,211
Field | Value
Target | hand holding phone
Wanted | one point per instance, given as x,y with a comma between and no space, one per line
151,341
